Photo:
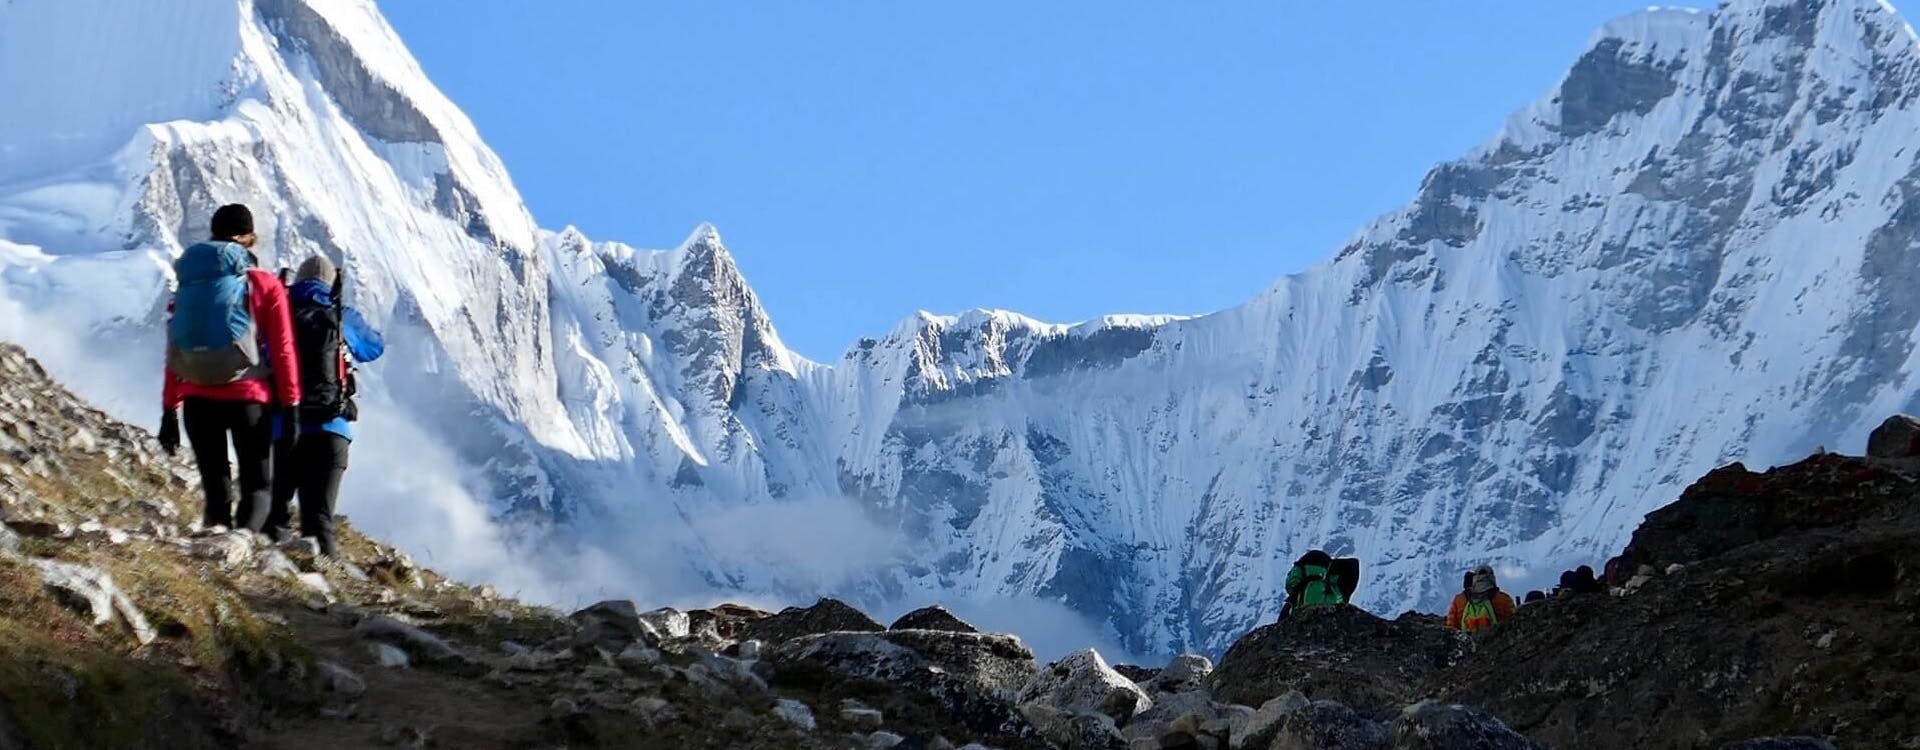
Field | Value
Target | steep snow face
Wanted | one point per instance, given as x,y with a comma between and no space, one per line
1700,247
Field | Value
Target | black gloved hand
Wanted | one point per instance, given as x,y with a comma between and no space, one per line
170,432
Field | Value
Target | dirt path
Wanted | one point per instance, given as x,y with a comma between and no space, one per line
465,712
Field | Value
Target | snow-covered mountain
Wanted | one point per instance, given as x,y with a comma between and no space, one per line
1702,246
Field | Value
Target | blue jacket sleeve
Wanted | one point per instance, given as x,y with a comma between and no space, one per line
363,342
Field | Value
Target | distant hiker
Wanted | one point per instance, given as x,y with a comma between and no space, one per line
1535,595
230,364
1482,605
1312,583
310,453
1579,581
1613,572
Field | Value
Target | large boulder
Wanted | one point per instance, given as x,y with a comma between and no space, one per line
973,677
1732,507
1185,673
932,618
614,624
725,621
1082,683
1898,437
1338,653
825,616
1079,685
1431,725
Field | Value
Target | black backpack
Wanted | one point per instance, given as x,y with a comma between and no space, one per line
326,391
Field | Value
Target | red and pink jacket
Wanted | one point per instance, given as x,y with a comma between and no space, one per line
280,386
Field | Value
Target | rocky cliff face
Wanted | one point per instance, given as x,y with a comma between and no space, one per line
1698,248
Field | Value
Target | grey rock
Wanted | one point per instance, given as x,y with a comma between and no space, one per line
228,548
794,712
1256,731
1780,743
1082,683
92,592
639,656
884,740
389,656
1195,707
612,625
1323,725
417,643
825,616
974,677
863,717
9,541
315,583
667,622
1431,725
1898,437
274,564
339,681
932,618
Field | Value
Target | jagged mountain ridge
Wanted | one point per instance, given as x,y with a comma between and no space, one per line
1697,248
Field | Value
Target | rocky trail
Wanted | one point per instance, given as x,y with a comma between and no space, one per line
1774,610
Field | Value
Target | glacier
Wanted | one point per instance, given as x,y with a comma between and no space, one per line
1703,246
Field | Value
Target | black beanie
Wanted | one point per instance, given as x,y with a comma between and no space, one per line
232,220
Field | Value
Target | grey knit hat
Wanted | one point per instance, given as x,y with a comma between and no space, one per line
315,267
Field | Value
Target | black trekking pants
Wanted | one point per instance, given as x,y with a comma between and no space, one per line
286,482
319,461
209,425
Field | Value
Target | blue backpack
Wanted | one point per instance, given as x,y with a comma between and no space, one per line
211,339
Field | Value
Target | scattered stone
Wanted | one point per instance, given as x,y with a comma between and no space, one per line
1782,743
389,656
9,540
863,717
403,736
973,677
1327,724
92,592
275,564
884,740
794,712
339,681
1432,725
418,643
1898,437
640,656
825,616
1255,732
315,583
228,548
932,618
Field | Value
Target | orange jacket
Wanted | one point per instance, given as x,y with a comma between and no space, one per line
1502,609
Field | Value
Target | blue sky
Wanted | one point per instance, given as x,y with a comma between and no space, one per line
866,159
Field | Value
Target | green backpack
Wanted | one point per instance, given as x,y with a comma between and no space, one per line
1318,588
